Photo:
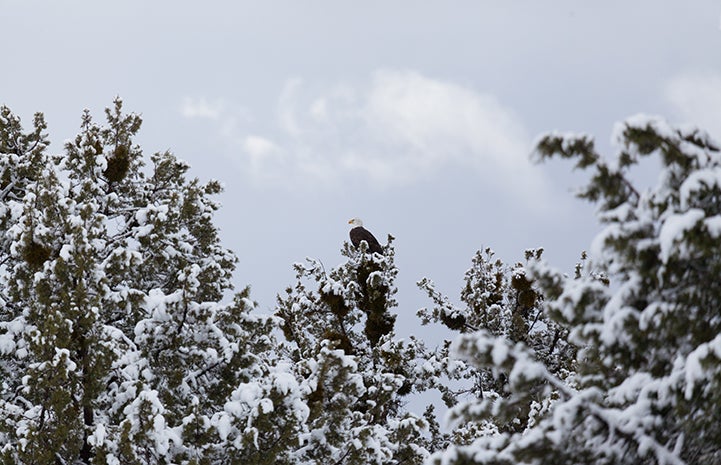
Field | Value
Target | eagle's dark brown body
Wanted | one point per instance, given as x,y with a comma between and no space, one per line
359,233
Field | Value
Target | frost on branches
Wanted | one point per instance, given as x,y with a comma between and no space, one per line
355,375
648,336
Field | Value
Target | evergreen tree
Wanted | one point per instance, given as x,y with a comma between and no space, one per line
21,157
501,302
355,375
114,346
648,336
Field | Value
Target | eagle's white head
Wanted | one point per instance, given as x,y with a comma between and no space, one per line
355,222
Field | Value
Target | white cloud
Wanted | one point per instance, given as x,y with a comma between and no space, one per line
319,109
442,123
287,107
259,147
697,100
264,160
398,127
201,108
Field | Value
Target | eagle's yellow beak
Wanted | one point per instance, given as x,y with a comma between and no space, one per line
350,221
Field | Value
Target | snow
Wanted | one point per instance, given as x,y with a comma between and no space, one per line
698,181
62,356
673,229
284,382
7,343
651,315
66,252
642,121
694,370
98,437
246,394
713,226
223,426
272,385
526,369
499,353
141,216
143,231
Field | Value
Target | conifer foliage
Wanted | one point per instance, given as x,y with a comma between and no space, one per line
646,324
503,307
354,373
114,347
121,341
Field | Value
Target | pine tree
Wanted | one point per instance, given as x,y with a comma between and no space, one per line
355,375
648,329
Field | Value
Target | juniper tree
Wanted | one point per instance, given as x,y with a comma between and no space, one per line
648,336
499,301
47,326
114,345
22,157
355,374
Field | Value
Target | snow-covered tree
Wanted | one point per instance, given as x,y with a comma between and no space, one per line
51,310
648,336
114,344
499,301
354,373
21,157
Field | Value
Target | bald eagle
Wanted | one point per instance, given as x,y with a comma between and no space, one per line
358,233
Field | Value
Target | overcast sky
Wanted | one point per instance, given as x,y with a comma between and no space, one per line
418,117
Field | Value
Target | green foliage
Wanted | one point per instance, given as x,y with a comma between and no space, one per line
501,302
339,327
114,347
118,165
644,322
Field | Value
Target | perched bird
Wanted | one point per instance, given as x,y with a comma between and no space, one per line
358,233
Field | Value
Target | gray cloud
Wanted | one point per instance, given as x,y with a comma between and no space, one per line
398,127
